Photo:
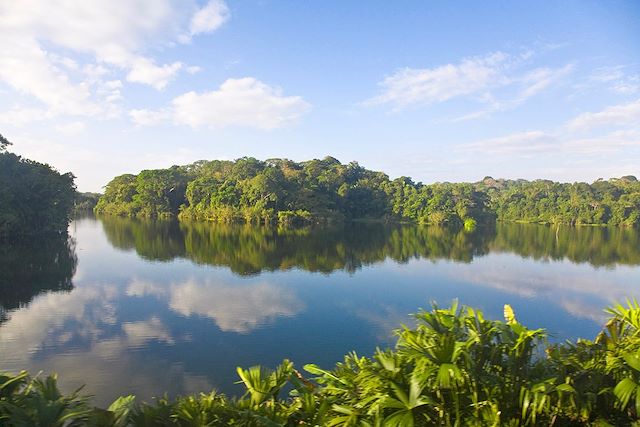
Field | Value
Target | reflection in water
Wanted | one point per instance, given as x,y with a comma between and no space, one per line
152,240
228,295
247,249
233,308
598,246
28,268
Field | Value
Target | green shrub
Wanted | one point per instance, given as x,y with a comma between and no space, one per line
454,368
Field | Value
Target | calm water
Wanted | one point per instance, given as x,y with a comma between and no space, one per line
141,307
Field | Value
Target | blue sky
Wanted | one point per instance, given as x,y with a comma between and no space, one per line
439,91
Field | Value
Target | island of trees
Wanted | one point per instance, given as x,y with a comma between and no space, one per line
287,192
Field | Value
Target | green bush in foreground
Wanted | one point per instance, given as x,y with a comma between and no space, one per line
454,368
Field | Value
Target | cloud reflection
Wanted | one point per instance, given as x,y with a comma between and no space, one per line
237,308
234,308
581,292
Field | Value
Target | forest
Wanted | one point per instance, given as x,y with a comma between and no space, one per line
287,192
35,199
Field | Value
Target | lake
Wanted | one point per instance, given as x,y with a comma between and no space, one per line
148,307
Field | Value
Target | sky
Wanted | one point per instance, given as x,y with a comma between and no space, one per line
434,90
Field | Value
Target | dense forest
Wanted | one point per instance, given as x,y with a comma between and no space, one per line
287,192
453,368
85,202
34,198
281,190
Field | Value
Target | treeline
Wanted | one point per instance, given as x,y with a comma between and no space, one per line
454,368
287,192
85,202
283,191
35,199
612,202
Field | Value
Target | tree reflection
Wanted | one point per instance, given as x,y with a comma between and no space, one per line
598,246
30,267
247,249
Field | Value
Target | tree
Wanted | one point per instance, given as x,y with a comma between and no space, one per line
4,143
34,198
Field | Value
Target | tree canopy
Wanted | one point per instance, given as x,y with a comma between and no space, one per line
288,192
254,191
34,197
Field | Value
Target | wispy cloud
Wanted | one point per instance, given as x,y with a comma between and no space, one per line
517,144
567,140
619,115
480,79
410,86
526,86
617,79
237,102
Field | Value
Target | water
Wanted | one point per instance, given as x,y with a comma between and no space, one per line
143,307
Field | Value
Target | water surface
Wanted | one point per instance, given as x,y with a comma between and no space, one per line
131,306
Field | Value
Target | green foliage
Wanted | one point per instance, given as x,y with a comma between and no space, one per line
613,202
34,198
4,143
454,368
85,202
289,193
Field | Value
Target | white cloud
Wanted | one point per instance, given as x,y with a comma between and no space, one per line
607,74
538,144
238,102
541,78
19,116
521,143
60,52
479,78
149,117
209,18
628,86
526,86
623,114
193,69
72,128
617,79
146,71
429,85
26,67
